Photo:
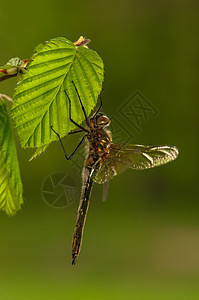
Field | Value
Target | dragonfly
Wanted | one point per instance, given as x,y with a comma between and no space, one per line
104,160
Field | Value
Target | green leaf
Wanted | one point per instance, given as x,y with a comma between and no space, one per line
40,101
10,180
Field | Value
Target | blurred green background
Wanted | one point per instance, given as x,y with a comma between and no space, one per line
143,243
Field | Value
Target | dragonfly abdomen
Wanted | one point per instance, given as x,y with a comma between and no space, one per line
81,213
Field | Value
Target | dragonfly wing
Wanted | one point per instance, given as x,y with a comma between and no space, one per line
138,157
146,157
105,191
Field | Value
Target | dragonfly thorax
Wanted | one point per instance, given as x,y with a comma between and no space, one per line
99,141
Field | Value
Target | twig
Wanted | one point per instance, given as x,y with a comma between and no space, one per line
7,77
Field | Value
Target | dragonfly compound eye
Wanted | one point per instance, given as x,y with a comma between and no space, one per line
103,120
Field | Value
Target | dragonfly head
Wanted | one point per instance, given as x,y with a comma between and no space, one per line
100,120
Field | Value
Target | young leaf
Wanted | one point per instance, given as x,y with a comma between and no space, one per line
10,180
13,67
40,99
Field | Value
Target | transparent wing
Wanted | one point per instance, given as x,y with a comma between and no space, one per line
105,191
138,157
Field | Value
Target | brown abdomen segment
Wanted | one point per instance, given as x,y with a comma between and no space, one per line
81,214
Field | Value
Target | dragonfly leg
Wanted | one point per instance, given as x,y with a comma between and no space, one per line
83,109
100,96
82,128
68,157
76,131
